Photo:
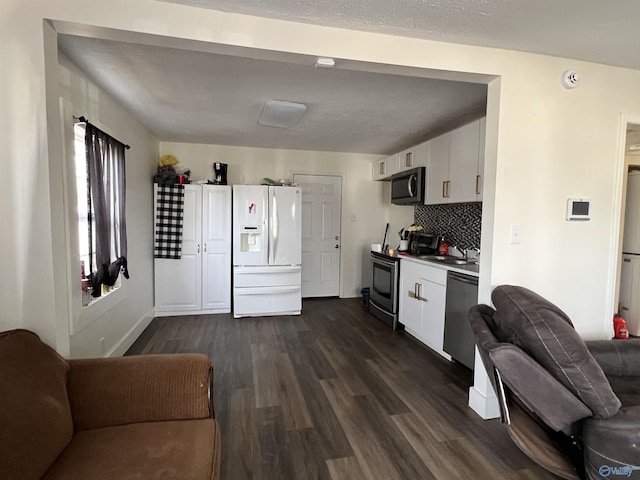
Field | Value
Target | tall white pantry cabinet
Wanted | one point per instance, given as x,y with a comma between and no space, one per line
200,281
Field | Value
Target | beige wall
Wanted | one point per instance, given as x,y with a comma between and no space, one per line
120,317
365,204
545,144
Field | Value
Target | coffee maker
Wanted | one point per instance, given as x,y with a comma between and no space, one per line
219,173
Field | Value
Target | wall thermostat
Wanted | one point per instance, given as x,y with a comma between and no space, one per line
578,209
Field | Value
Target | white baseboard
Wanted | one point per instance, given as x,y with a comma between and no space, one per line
179,313
120,348
485,406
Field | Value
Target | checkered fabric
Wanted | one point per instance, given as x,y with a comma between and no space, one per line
169,215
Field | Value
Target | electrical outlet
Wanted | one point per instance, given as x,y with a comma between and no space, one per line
516,234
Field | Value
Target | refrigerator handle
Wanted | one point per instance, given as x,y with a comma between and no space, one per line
274,231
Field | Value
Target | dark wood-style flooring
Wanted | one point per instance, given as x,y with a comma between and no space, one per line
335,394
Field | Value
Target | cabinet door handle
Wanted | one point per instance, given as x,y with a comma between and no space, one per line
408,159
420,293
198,248
445,188
415,291
205,248
477,184
382,165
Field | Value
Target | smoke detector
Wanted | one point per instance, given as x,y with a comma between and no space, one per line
570,79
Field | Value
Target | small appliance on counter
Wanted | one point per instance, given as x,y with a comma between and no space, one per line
404,240
424,243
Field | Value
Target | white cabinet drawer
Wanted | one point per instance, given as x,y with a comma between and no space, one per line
267,301
266,276
434,274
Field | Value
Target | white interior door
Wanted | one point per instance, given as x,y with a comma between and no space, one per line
321,213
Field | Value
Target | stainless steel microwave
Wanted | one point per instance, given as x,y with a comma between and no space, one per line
407,188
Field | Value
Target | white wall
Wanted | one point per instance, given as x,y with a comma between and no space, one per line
365,204
121,316
545,144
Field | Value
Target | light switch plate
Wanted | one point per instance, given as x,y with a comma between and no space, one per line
516,234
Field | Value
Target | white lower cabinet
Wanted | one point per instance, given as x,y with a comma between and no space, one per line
200,281
422,303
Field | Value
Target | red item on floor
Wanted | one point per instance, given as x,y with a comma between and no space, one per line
620,327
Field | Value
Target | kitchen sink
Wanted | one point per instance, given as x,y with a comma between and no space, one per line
458,261
438,258
450,260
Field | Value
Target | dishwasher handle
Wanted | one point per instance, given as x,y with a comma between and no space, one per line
461,277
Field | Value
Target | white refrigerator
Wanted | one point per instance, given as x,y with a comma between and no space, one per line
630,272
267,244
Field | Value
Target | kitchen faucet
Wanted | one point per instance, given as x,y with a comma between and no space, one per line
465,252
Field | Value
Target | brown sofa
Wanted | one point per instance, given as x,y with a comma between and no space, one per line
139,417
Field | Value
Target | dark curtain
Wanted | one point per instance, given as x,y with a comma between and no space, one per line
107,185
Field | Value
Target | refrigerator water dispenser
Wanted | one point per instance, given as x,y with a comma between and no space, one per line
250,239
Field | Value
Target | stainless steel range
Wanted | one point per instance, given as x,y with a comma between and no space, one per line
386,278
384,289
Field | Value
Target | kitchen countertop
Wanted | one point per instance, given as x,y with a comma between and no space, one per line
472,269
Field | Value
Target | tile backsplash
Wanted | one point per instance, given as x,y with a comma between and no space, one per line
459,223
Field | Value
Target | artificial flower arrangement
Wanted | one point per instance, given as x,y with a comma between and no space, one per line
405,233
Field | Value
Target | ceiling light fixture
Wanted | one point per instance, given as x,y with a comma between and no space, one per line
280,113
325,62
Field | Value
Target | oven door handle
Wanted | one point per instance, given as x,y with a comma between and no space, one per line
383,262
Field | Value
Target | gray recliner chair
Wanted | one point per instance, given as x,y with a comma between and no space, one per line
572,406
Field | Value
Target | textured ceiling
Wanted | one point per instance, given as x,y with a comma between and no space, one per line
185,95
593,30
198,97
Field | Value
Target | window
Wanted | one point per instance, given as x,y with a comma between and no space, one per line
82,180
100,186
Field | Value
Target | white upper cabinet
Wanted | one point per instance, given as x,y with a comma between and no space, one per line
438,171
456,162
463,163
413,157
384,168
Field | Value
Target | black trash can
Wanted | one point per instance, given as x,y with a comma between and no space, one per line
365,297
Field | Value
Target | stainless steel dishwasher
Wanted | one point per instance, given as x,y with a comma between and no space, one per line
462,294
